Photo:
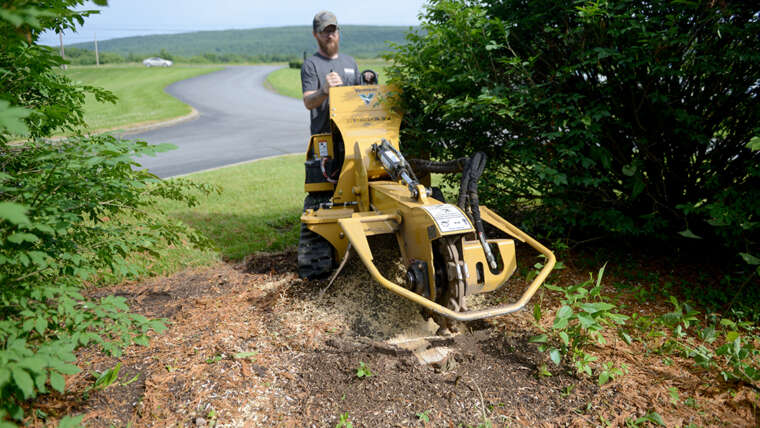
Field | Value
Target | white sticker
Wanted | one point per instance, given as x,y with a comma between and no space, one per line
448,217
323,149
349,71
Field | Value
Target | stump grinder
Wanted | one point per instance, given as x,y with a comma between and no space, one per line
359,184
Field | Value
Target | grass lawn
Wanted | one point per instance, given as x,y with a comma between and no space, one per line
259,209
140,91
287,81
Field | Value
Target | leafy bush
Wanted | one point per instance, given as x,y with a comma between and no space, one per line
620,118
68,210
295,64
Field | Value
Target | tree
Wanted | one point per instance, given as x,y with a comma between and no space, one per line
68,210
601,118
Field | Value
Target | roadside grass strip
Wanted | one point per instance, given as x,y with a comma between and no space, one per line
287,81
140,90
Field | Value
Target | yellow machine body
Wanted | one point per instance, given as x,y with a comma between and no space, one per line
366,201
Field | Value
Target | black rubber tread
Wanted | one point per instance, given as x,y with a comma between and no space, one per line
316,257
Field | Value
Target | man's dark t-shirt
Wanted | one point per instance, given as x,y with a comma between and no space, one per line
313,73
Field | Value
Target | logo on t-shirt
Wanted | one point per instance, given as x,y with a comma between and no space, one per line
349,71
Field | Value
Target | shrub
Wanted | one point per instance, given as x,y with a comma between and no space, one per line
62,218
68,209
620,118
297,64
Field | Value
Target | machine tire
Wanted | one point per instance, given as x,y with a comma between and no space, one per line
316,256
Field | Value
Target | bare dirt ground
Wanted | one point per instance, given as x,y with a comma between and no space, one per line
253,345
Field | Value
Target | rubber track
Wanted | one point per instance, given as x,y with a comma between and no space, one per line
315,254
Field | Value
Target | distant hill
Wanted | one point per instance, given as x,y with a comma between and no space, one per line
362,41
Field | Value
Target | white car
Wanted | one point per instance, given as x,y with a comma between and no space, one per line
157,62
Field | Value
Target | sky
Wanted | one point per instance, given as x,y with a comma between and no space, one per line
125,18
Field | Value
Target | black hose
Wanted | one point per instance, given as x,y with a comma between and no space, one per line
472,168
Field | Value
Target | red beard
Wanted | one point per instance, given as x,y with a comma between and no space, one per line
330,46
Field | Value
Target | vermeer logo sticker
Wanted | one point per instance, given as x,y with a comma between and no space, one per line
367,98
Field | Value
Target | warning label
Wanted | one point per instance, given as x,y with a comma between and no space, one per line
448,218
323,149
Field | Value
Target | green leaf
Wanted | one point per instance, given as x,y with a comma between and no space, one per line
617,318
5,377
108,377
555,356
23,382
14,213
363,370
71,422
593,308
565,338
21,237
142,340
541,338
689,234
537,312
564,312
41,325
750,259
67,369
600,275
731,336
11,118
652,417
561,323
586,321
57,381
604,377
34,364
754,144
243,355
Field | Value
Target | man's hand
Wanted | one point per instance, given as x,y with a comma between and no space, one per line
313,99
333,79
369,77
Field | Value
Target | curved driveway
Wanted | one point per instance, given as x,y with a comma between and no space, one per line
239,120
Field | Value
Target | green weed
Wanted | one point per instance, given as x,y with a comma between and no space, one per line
215,359
651,417
344,422
579,322
106,379
363,371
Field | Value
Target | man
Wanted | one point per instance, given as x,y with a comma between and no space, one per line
324,70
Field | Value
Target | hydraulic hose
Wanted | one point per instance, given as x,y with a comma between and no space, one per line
471,168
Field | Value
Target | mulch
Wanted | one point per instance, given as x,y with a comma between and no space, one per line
251,344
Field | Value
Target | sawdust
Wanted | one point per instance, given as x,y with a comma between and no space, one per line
254,345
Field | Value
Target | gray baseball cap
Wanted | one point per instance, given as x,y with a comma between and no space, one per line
323,20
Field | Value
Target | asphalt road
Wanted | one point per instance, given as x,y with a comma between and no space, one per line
239,120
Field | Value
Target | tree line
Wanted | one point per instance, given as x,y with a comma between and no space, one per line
255,45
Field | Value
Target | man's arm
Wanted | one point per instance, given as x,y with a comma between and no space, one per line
313,99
